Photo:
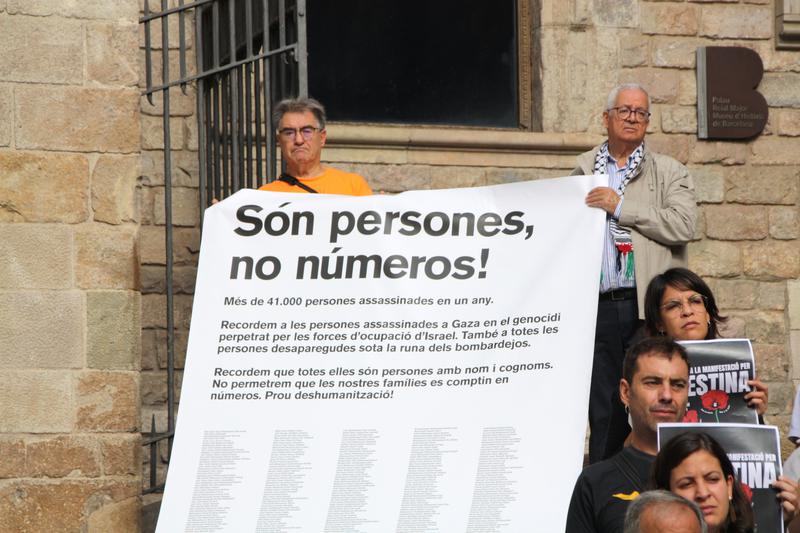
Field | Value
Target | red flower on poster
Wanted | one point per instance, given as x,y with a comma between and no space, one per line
715,401
691,416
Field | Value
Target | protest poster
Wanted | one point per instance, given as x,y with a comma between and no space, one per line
718,374
417,362
755,453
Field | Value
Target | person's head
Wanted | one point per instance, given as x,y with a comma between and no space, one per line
695,466
679,304
655,385
300,125
627,114
661,511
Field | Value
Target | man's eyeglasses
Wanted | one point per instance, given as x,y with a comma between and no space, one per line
695,302
290,134
625,113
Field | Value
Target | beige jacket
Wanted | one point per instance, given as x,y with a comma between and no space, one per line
661,211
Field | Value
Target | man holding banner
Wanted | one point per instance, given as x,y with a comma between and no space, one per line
650,216
368,364
301,133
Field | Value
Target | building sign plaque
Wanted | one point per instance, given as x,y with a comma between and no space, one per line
728,105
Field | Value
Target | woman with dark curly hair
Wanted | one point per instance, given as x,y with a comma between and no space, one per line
679,304
695,466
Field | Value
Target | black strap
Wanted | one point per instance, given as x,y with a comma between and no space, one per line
291,180
624,465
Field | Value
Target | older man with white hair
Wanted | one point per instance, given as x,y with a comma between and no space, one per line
650,216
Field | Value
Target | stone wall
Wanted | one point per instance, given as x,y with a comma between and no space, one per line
69,275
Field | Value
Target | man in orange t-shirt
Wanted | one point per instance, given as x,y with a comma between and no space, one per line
301,135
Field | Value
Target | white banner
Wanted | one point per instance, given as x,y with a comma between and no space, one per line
409,363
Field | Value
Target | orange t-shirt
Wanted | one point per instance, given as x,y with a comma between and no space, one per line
331,181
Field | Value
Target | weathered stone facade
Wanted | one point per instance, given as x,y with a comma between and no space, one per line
82,305
69,274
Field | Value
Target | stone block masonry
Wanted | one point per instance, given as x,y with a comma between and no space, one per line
70,309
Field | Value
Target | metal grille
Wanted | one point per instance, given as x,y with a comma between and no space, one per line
253,53
248,55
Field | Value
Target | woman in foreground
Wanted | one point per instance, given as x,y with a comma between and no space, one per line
695,466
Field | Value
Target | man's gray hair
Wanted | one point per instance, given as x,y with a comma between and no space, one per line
612,96
299,105
652,498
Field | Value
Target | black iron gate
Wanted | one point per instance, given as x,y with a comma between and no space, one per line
248,55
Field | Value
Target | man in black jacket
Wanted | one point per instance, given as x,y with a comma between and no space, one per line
654,389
